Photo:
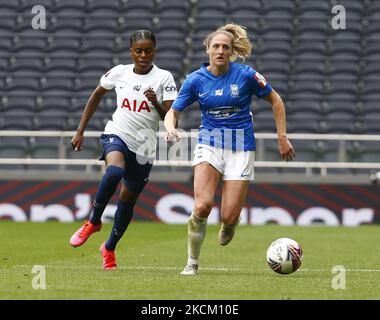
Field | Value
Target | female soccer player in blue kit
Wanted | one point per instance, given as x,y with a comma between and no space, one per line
144,94
226,144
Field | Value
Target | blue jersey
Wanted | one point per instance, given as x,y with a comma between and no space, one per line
225,103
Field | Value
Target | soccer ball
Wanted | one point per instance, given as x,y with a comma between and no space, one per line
284,256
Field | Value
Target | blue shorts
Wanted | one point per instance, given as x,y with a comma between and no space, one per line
136,173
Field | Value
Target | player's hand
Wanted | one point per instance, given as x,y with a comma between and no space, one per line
151,96
76,141
172,135
286,149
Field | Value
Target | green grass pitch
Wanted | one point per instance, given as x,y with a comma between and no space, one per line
150,257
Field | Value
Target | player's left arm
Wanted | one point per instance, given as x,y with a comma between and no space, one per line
161,108
285,147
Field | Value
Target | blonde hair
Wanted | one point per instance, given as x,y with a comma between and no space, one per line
241,45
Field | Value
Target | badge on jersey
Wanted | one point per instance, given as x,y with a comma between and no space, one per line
260,79
234,91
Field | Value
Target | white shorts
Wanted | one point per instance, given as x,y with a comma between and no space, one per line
233,165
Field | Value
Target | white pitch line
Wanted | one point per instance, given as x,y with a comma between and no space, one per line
178,268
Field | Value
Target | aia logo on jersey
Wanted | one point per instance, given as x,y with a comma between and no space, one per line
135,106
260,79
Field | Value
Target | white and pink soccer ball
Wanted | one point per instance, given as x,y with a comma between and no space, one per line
284,256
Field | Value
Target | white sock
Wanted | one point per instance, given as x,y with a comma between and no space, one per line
196,234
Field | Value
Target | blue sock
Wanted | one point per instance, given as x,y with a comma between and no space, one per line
123,216
106,189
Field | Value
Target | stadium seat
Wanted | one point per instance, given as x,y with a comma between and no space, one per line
314,9
97,45
59,45
332,105
8,23
57,63
25,45
173,9
13,150
87,64
52,104
25,64
17,104
242,9
15,122
103,7
148,5
21,83
44,147
61,24
212,5
49,122
93,26
67,7
292,107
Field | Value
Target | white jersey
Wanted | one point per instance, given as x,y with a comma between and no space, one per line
136,120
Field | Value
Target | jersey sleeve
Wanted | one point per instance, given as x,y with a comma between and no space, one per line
107,81
259,85
186,96
169,88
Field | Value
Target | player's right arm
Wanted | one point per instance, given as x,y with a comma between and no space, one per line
91,106
170,122
186,96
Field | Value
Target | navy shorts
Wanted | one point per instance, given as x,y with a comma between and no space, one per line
136,172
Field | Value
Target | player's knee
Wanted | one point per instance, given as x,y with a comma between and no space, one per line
114,173
127,196
202,209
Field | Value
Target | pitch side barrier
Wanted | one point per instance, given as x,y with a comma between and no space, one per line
179,154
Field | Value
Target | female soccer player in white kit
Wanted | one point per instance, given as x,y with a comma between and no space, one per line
226,143
144,95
